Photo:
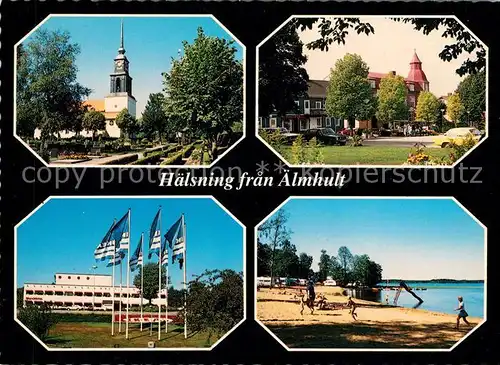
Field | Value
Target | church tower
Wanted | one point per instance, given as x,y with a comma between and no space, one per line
120,88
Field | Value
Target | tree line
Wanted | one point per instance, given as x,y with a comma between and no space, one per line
278,257
202,92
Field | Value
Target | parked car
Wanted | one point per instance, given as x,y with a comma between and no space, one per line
330,282
326,136
347,132
457,135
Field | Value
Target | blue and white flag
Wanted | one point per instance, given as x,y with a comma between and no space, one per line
175,239
117,259
121,234
155,235
106,249
136,259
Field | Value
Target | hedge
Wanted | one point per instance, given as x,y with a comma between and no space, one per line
127,159
177,158
149,159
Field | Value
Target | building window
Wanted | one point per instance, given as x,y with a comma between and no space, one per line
260,122
411,87
78,278
297,103
328,122
273,123
373,84
59,276
303,125
426,86
69,277
88,278
318,105
319,122
306,104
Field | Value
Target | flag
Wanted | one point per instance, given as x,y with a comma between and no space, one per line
175,239
117,259
164,253
155,235
120,233
136,259
106,248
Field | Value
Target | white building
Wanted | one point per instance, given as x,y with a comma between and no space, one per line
81,290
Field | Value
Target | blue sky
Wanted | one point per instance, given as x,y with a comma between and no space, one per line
62,235
150,43
411,239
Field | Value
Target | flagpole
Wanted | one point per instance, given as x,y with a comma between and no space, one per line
185,277
142,274
113,291
120,305
159,283
166,294
128,274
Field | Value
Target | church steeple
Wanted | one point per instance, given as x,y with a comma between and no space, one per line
121,82
121,50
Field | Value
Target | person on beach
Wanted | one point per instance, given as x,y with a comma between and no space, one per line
352,305
461,312
309,297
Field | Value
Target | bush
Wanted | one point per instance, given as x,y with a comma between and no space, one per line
315,155
461,147
276,140
215,301
150,159
355,141
418,157
39,319
298,151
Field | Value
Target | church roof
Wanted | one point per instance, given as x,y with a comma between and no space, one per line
96,104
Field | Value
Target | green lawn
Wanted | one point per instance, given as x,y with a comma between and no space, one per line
98,335
368,155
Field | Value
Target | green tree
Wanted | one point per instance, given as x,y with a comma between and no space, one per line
264,254
20,297
154,119
94,121
325,266
204,89
428,107
150,288
282,76
392,99
344,266
336,30
454,108
349,93
276,233
39,319
127,123
215,302
472,91
305,262
48,95
287,261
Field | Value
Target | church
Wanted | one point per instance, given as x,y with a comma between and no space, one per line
120,96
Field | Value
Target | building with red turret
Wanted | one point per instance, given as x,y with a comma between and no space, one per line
312,112
416,82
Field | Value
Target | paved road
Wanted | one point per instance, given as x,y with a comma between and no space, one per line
400,141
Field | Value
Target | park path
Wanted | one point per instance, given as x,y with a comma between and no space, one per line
101,161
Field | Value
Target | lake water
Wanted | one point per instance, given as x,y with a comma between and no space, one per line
439,297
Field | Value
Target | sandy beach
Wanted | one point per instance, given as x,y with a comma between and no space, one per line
377,325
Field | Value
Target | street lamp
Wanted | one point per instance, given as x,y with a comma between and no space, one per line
468,120
442,120
93,287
